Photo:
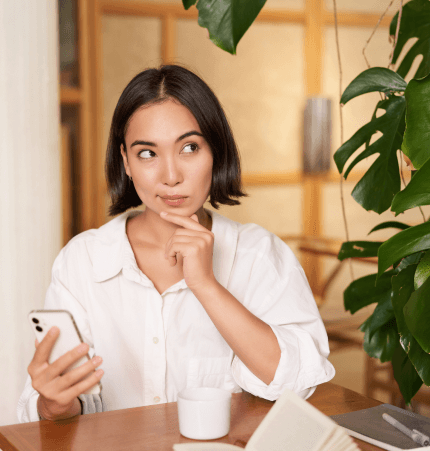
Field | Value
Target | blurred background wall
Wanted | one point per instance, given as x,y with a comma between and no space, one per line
30,189
288,55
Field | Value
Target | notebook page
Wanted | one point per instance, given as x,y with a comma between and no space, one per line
291,424
340,441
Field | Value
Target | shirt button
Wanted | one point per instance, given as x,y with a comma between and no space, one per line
156,399
155,340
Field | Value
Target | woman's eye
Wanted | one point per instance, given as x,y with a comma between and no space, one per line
146,154
190,148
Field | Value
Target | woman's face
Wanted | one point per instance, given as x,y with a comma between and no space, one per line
168,158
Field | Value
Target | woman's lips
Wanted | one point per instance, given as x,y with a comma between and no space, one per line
173,201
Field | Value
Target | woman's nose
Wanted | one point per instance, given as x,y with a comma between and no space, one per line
171,172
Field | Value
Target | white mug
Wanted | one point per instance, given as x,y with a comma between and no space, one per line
204,413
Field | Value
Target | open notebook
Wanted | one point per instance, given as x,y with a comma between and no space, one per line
292,424
369,426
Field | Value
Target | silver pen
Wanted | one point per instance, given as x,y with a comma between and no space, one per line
416,436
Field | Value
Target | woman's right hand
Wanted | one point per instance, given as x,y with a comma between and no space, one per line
59,392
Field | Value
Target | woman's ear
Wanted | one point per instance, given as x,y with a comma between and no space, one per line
125,161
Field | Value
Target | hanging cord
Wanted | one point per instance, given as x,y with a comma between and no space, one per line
342,200
370,38
399,18
373,32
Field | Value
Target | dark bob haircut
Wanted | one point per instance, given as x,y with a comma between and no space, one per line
177,83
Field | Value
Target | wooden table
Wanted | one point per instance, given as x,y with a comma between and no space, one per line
156,427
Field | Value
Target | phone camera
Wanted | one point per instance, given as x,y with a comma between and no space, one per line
39,328
35,320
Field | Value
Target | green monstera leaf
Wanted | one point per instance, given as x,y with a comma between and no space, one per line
405,374
390,225
417,315
416,193
404,243
367,290
416,141
415,23
382,315
423,271
226,20
352,249
188,3
412,259
375,79
381,182
403,287
383,342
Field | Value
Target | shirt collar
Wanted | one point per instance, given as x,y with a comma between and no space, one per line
226,234
112,250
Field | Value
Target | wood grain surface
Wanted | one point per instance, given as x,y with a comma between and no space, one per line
156,427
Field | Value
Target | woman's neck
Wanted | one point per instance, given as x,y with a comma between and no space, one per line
148,226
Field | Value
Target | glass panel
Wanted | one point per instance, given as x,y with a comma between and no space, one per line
261,93
261,205
69,67
130,44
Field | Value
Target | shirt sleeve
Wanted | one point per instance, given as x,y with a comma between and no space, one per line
59,297
281,297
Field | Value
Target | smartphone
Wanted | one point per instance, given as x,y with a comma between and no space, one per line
70,337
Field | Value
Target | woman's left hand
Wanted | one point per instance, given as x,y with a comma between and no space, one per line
193,244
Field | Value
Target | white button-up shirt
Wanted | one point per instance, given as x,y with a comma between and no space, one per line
154,345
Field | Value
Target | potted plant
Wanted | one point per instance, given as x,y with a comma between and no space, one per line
399,328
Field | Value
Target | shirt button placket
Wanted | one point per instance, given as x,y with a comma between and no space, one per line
159,356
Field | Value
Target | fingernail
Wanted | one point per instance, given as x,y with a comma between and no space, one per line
53,330
163,213
96,360
99,373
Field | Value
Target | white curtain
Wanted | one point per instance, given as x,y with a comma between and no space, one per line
30,189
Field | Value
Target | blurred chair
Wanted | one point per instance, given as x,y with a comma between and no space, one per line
342,327
380,384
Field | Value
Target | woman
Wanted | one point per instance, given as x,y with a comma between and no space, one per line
176,296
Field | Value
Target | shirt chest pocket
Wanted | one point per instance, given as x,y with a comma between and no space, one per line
209,372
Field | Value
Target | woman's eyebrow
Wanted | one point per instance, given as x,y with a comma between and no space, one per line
143,143
185,135
149,143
